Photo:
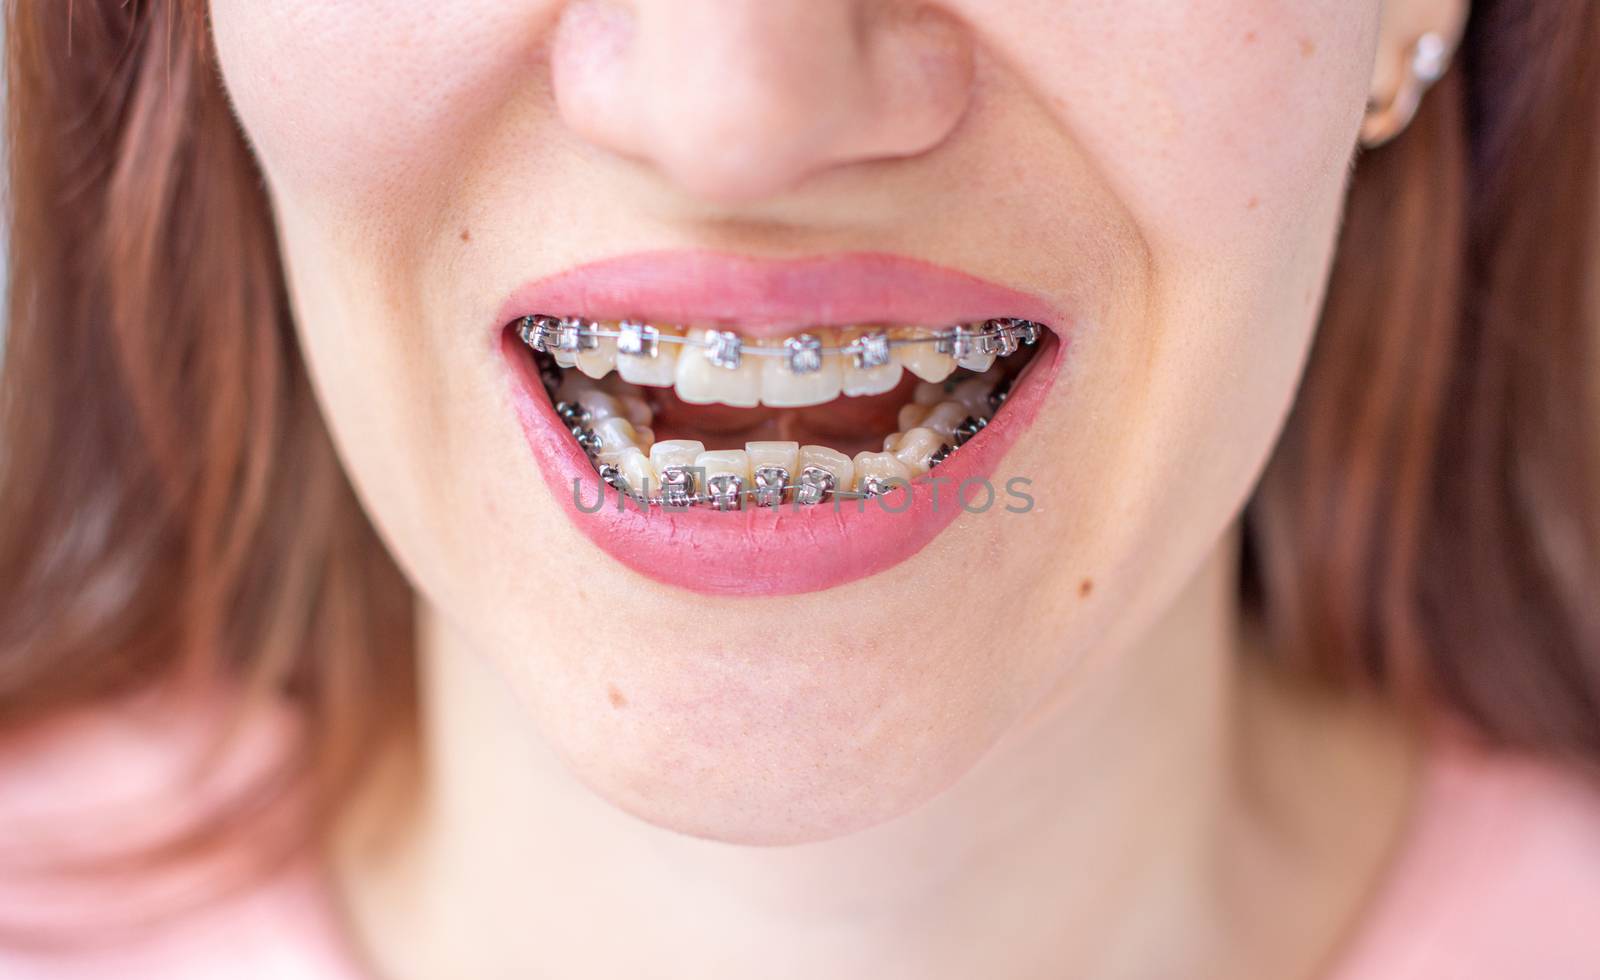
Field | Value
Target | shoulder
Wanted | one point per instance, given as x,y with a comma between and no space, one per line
113,781
1497,876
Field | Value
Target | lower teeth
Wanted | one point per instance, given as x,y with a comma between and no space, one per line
611,421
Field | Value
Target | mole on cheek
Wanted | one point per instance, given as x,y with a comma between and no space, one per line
1086,587
615,696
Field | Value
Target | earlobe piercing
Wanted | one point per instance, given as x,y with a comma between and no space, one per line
1426,62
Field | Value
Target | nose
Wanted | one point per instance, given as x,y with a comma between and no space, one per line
739,100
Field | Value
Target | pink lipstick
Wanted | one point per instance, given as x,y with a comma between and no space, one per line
793,317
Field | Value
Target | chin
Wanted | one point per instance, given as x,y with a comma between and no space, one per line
788,747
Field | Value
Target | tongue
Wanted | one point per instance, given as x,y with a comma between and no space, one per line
847,424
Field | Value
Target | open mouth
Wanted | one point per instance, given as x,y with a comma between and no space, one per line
754,427
674,416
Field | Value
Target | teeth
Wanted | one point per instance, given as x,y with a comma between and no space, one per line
637,410
944,418
821,459
675,452
633,468
784,455
673,461
720,462
874,471
974,393
925,361
772,468
796,373
600,405
702,381
916,448
804,377
971,392
656,367
617,434
727,475
977,361
912,415
862,375
611,420
598,361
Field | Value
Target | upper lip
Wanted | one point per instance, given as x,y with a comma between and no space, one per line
772,297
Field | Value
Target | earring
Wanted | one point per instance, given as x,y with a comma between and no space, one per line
1426,62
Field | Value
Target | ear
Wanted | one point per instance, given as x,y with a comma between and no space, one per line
1401,24
1416,40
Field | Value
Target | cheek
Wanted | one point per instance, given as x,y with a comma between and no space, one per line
1222,132
1201,117
1225,132
357,103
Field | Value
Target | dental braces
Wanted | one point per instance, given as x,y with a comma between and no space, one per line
771,484
731,494
1002,337
726,491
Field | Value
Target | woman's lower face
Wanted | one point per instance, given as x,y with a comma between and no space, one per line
531,244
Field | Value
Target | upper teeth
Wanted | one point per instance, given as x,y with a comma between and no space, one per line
613,423
807,369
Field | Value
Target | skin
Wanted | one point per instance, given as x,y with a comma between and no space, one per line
1092,778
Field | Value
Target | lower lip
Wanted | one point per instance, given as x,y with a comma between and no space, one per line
773,551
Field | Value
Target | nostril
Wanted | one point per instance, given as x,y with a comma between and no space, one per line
733,101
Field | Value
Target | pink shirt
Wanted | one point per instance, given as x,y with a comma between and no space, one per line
1498,875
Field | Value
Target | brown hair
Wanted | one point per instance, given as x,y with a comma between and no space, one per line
171,509
1430,522
170,506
